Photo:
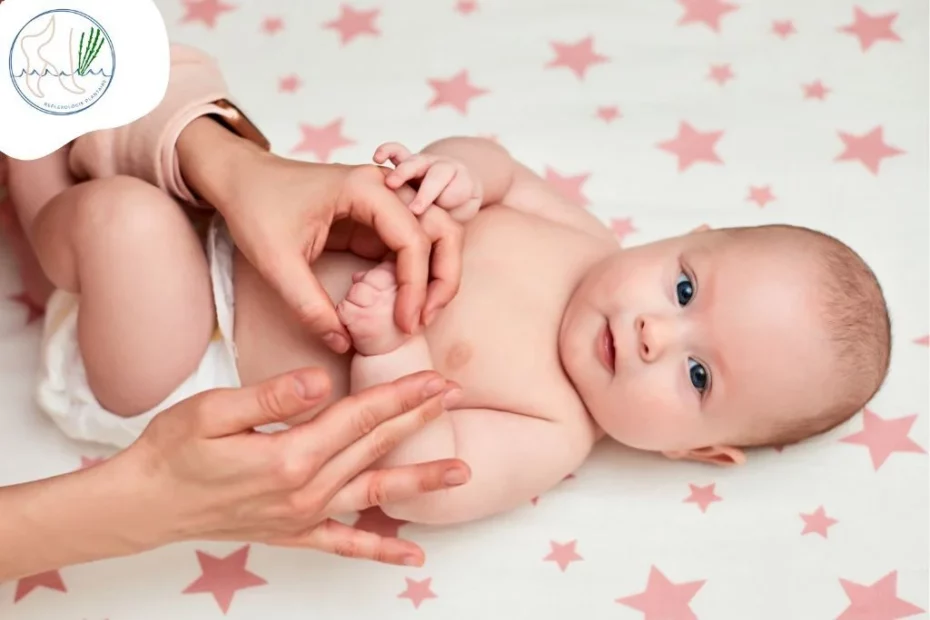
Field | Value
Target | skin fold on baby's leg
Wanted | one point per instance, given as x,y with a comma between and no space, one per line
146,311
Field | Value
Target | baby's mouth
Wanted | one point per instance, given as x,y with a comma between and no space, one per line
606,349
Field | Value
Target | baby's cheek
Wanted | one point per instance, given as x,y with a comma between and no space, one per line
647,415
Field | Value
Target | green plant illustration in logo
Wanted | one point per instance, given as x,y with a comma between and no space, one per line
87,55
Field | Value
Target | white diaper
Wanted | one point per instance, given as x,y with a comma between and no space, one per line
63,392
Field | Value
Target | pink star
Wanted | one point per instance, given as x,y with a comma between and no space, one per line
322,141
878,601
761,195
579,57
222,577
706,11
608,113
817,522
90,461
272,25
664,600
692,146
883,436
569,186
563,555
622,228
466,7
815,90
721,74
206,11
702,496
50,579
456,92
924,340
871,28
417,591
34,310
352,23
784,29
374,520
289,84
869,148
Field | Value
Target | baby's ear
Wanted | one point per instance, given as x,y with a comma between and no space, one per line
716,455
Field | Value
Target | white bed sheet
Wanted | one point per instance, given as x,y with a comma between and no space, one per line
589,548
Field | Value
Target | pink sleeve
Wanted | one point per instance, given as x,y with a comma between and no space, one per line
145,148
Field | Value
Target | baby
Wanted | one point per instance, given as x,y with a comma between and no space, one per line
695,347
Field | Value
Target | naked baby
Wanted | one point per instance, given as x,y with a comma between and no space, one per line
695,347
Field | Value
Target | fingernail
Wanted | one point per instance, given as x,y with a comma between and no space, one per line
336,341
455,477
412,560
434,386
307,387
452,397
428,316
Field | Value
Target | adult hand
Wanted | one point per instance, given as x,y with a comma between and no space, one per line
212,477
283,213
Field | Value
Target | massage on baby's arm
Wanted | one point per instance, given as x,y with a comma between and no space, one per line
695,347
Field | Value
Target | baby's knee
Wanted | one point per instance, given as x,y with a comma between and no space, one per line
123,205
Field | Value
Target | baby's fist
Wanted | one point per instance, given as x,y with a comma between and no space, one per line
368,311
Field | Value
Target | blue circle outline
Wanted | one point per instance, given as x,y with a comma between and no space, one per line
112,57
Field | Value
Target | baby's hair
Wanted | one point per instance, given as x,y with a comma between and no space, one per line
856,321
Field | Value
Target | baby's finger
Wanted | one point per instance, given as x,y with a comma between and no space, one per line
412,168
394,151
447,238
438,177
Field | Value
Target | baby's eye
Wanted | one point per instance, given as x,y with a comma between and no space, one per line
698,375
684,289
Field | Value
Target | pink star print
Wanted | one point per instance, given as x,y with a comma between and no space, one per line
272,25
374,520
784,29
721,74
884,436
206,11
817,522
569,186
455,92
705,11
702,496
878,601
34,310
352,23
417,591
222,577
50,579
869,148
761,195
466,7
289,84
871,28
664,600
579,57
924,340
563,555
622,228
815,90
691,145
322,141
608,113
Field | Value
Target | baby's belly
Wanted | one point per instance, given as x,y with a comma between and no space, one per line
271,341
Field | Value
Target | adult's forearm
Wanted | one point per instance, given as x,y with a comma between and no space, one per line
93,514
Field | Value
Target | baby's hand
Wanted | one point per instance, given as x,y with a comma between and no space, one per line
442,181
368,311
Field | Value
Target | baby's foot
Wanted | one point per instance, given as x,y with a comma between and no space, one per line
368,311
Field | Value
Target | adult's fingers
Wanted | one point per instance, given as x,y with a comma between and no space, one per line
447,239
335,537
230,411
383,486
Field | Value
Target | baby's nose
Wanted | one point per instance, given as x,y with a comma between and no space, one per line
653,333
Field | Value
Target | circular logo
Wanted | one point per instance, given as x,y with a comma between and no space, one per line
62,62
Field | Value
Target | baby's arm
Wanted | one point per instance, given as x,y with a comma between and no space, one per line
512,456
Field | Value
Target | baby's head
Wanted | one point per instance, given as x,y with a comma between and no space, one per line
700,345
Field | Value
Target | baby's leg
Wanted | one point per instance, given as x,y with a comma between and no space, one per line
146,311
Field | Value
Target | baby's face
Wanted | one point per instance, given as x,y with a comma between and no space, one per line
693,342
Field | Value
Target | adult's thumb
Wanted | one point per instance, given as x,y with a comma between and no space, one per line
275,400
